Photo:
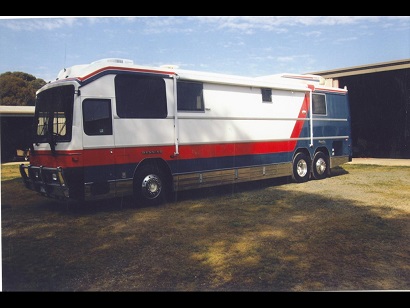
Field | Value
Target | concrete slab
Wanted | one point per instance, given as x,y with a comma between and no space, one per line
381,161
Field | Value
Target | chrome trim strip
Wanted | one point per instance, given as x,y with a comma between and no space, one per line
222,177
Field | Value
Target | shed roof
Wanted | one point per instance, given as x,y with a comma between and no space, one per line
16,111
365,69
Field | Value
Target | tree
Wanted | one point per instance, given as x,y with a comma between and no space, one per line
19,89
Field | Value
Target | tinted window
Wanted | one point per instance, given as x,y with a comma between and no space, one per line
190,96
319,104
97,117
140,97
266,95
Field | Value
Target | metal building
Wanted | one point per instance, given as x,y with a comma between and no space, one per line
15,124
380,107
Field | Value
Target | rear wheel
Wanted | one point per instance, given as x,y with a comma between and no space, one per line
150,187
320,168
301,168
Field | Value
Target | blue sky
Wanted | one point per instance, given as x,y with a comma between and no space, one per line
249,46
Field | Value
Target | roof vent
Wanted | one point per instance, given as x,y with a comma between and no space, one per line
114,60
170,66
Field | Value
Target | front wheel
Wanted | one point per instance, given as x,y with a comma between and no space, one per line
301,168
149,186
320,167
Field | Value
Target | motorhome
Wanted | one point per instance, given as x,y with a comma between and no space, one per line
113,128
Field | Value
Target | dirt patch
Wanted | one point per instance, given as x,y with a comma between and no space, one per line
347,232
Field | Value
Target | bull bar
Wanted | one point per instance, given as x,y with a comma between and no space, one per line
49,182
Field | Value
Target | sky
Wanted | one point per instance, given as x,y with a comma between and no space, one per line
247,46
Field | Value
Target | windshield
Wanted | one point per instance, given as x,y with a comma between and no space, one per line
54,115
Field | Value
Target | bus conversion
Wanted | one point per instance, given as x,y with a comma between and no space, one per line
112,128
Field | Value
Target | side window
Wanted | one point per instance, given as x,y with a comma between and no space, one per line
266,95
140,97
190,96
319,104
97,118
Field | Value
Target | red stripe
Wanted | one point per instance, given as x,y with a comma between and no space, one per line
341,91
108,68
302,115
66,159
98,157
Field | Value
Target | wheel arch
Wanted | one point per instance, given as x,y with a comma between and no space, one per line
157,162
304,151
323,149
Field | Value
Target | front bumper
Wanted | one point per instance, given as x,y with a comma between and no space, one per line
49,182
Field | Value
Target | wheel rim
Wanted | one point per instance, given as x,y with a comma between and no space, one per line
301,168
320,166
151,186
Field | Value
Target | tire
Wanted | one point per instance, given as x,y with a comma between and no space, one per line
320,167
150,187
301,168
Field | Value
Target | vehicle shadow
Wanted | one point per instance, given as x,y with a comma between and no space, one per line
128,203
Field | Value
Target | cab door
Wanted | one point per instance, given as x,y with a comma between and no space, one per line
98,145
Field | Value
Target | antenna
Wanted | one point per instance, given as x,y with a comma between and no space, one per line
65,53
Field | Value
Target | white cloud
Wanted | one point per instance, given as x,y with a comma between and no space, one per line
32,24
188,24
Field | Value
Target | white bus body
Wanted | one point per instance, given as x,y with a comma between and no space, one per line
112,128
